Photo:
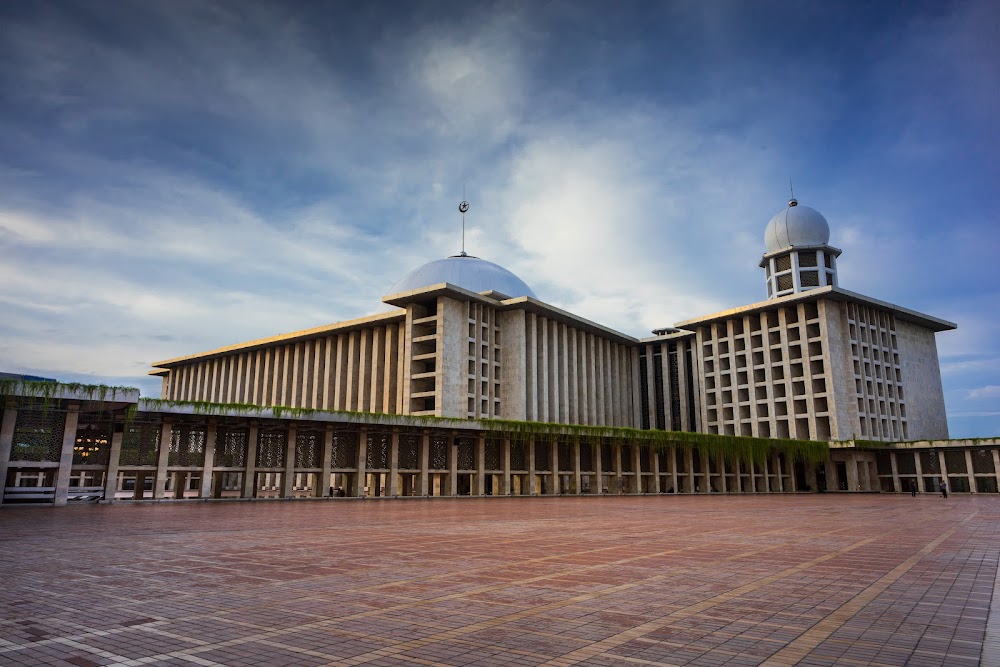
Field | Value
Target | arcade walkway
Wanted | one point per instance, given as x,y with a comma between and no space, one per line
598,581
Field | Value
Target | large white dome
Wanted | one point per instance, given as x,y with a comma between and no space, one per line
466,271
796,226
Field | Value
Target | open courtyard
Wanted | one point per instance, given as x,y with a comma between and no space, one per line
600,581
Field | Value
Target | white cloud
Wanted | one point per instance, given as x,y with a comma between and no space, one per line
989,391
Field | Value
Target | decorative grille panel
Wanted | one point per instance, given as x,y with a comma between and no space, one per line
661,416
809,279
308,449
543,456
377,452
271,449
518,456
439,452
784,282
807,259
38,435
409,452
982,461
345,450
930,464
140,444
675,394
783,263
93,442
955,462
565,456
883,460
606,462
905,464
466,454
187,447
231,448
643,392
494,455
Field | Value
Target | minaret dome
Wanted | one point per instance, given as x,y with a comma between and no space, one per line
798,255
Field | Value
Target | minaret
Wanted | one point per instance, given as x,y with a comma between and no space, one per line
799,256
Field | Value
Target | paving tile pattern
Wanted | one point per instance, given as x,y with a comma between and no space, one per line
603,582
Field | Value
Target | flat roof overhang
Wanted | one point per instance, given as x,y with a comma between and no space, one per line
502,303
829,293
293,337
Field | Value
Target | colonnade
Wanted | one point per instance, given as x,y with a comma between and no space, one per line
76,452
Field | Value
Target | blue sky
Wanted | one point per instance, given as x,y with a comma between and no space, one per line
178,176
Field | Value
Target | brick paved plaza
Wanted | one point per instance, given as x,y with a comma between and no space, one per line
813,580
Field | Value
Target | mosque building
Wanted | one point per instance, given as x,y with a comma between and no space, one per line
470,339
429,398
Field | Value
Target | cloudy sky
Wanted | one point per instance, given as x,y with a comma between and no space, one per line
177,176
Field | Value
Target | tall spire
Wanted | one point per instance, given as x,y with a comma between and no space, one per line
462,208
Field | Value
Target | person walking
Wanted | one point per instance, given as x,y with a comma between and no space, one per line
944,490
913,490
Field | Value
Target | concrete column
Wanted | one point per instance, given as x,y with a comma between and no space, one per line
599,465
970,471
556,486
6,443
895,473
110,479
393,490
919,469
723,483
288,479
505,462
778,472
425,454
180,484
706,475
852,475
66,456
616,459
250,475
637,464
481,465
654,464
672,453
543,370
864,483
362,465
452,465
207,478
944,469
689,464
531,467
832,478
577,476
160,480
323,490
